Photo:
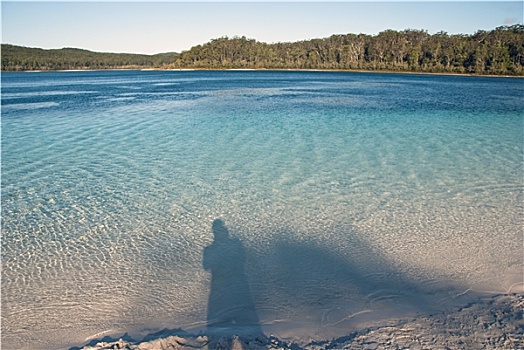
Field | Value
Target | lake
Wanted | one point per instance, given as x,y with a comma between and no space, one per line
300,204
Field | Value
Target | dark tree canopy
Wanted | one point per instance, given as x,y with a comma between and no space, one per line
499,52
18,58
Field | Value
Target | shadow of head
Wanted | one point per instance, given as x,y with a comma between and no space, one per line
220,231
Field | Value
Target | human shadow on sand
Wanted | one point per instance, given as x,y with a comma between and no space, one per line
330,291
230,309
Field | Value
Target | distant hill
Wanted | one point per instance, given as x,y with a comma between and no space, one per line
19,58
497,52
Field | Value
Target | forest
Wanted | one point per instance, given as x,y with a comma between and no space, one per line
497,52
18,58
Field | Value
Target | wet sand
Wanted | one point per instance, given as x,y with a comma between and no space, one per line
493,322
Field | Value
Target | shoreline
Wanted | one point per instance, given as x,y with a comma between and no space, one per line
494,322
272,70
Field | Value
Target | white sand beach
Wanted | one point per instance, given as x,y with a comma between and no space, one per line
493,322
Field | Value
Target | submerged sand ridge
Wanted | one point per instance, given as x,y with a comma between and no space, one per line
494,322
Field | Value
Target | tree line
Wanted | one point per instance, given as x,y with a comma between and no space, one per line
499,52
18,58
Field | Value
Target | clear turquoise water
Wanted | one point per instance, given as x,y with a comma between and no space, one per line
354,197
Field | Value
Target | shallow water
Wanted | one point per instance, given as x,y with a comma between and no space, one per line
345,198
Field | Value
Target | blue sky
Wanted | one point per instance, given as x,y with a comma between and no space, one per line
153,27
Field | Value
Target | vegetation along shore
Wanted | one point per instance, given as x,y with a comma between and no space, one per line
496,52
